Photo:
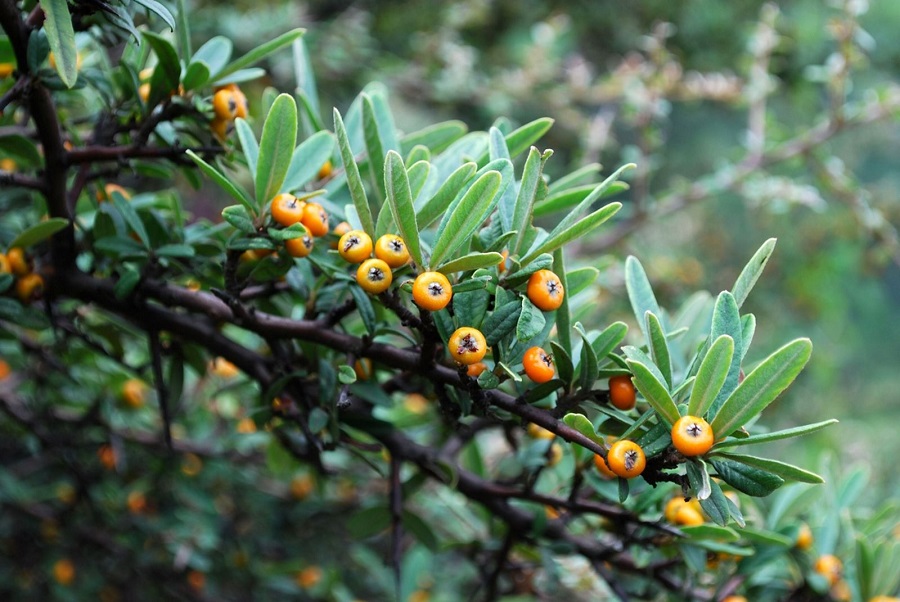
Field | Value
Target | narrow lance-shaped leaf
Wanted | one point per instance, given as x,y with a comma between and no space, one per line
531,176
354,181
751,272
782,469
575,214
577,230
39,232
61,35
727,320
797,431
374,146
640,293
609,338
520,139
747,479
307,159
659,348
472,261
654,392
438,203
588,367
467,216
223,182
761,387
276,146
698,477
711,375
248,144
400,199
259,53
563,317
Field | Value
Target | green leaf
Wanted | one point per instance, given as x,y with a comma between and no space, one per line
214,53
575,214
564,199
131,217
609,339
128,279
711,375
441,200
579,279
422,531
472,261
346,375
640,293
748,329
747,479
659,349
183,30
467,216
769,538
531,321
776,435
435,137
21,149
400,200
654,392
259,53
502,321
61,35
175,250
751,272
306,78
167,73
160,10
418,176
195,76
307,159
224,183
721,533
788,472
369,521
563,362
543,261
719,508
375,148
248,144
587,367
290,233
558,237
354,181
521,139
580,423
727,320
365,309
563,317
761,387
276,148
698,477
39,232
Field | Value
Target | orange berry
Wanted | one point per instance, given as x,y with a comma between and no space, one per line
107,193
830,567
735,599
325,170
18,261
804,538
432,291
5,266
133,393
626,459
315,219
245,426
196,580
107,456
29,287
538,365
602,468
224,105
309,577
467,345
301,486
191,465
621,392
6,69
220,127
692,436
301,246
687,515
545,290
64,571
416,403
136,502
475,370
374,276
536,431
355,246
286,209
5,370
223,368
392,250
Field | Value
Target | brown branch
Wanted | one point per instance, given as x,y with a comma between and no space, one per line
96,154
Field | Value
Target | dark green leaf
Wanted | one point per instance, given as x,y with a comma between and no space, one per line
531,321
711,375
776,435
354,181
565,199
128,279
131,217
698,477
441,200
401,203
472,261
160,10
659,349
224,183
365,309
466,217
727,320
167,73
747,479
609,339
786,471
39,232
560,237
175,250
563,317
563,362
654,392
61,35
502,321
588,368
276,147
196,75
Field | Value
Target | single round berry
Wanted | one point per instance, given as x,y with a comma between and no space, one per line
603,468
626,459
538,365
536,431
692,436
374,276
18,261
325,170
804,538
467,345
432,291
475,370
688,516
30,287
301,246
621,392
225,104
287,209
355,246
545,290
315,219
392,250
830,567
133,393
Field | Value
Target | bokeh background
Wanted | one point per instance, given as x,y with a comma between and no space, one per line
672,86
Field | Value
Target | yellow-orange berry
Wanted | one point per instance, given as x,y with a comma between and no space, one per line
245,426
6,69
286,209
432,291
692,436
225,105
309,577
133,393
392,250
363,368
621,392
136,502
107,456
18,261
374,276
5,370
830,567
355,246
602,467
626,459
301,246
339,230
64,571
535,431
467,345
315,219
325,170
804,538
223,368
5,267
545,290
687,515
301,486
475,370
196,580
29,287
219,127
538,365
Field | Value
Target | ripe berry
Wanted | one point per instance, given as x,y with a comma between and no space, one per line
804,538
626,459
692,436
355,246
538,365
225,104
374,276
467,345
602,467
392,250
535,431
475,370
300,247
621,392
830,567
545,290
5,267
29,287
18,261
287,209
325,170
133,391
432,291
688,516
315,219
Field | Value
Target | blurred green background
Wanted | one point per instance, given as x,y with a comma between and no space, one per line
669,85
